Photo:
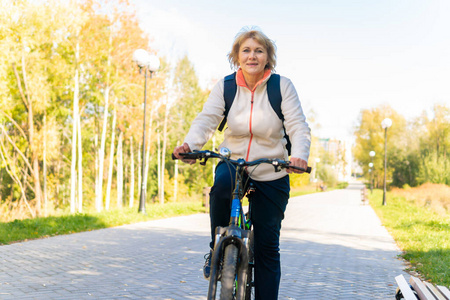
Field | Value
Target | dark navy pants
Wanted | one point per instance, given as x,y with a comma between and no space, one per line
268,206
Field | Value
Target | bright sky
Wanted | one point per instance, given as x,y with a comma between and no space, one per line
341,55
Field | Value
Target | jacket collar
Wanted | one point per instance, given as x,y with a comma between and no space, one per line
240,81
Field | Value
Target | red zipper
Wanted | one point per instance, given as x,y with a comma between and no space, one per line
250,128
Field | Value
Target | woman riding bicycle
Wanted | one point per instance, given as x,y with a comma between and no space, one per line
254,131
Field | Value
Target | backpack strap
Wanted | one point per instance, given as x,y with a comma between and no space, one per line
274,94
229,92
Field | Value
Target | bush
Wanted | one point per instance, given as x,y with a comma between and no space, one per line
342,185
328,175
435,169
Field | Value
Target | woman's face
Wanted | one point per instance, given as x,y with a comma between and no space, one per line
252,58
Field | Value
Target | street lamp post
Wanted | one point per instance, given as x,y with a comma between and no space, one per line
385,124
371,154
149,63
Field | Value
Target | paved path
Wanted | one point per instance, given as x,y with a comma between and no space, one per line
332,248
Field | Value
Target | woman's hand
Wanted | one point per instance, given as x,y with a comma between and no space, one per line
297,162
183,149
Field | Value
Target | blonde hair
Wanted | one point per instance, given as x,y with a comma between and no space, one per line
261,38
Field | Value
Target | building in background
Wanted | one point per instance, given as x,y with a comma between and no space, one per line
338,154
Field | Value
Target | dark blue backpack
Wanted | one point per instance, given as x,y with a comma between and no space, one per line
273,92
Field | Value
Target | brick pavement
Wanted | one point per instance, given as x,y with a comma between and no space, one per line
332,248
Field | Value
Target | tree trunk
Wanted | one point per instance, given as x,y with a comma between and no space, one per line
139,166
163,155
159,166
101,155
57,188
111,160
99,198
80,166
175,184
96,165
34,154
147,154
75,119
131,173
44,165
119,171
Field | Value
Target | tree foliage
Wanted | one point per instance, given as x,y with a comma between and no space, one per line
417,151
37,68
65,71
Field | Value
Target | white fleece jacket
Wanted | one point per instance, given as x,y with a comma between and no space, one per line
254,129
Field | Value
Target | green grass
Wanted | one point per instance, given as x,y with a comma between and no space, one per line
21,230
421,233
310,189
313,188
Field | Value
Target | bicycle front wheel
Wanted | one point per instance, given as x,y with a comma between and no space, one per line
227,291
249,289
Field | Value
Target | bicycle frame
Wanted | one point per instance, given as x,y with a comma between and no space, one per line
237,234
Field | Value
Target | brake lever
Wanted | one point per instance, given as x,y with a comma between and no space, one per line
203,162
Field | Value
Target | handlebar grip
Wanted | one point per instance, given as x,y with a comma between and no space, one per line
308,169
182,154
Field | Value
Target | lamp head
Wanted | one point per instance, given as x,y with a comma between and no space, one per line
153,63
141,57
386,123
372,153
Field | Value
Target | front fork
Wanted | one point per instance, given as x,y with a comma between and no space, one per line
237,233
223,237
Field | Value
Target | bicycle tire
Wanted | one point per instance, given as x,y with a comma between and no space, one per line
227,289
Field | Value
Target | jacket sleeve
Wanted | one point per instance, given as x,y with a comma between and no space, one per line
206,122
295,121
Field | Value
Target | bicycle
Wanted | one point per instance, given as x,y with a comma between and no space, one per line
232,261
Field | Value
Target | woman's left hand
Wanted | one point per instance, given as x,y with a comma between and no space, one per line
297,162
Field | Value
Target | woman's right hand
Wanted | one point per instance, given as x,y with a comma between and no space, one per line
183,149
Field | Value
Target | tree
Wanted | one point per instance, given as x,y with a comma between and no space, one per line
370,137
33,32
189,102
418,151
71,59
434,161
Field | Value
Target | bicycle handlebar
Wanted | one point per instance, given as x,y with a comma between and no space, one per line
206,154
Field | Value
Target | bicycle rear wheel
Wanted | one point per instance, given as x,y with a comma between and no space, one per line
228,288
